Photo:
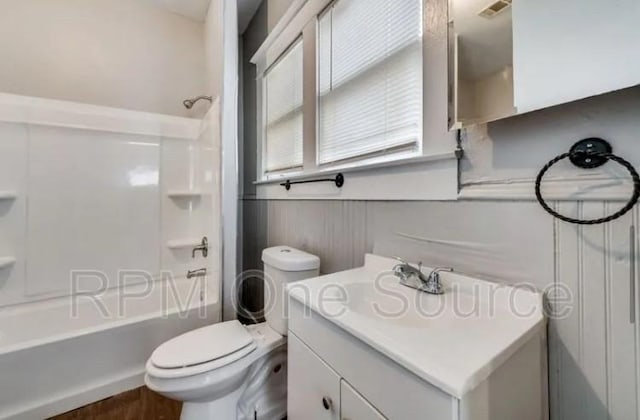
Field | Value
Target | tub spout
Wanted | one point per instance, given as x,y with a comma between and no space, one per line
201,272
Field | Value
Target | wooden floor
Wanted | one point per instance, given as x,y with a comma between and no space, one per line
138,404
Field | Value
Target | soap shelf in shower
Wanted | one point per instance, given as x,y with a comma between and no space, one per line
185,194
8,195
6,262
184,243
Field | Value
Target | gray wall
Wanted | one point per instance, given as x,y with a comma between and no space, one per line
251,39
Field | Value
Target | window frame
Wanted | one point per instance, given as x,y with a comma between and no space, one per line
301,22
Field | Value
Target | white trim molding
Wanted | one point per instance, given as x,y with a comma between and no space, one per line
289,28
595,187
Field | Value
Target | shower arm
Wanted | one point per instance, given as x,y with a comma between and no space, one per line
189,103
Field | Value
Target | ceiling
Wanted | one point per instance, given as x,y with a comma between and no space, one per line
197,9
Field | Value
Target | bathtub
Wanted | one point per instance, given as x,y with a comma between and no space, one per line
62,354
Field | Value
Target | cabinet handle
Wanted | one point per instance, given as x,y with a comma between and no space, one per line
632,274
326,403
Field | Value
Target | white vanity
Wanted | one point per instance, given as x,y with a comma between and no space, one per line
362,346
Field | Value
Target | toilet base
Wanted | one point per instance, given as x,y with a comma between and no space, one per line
262,396
221,409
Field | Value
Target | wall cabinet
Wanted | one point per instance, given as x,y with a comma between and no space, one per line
572,49
528,55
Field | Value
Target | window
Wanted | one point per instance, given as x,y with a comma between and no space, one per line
343,84
283,114
370,79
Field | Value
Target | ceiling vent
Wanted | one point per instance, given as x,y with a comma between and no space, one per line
495,8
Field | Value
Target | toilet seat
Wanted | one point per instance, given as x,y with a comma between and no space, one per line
201,350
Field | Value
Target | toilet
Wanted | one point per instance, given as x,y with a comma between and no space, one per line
230,371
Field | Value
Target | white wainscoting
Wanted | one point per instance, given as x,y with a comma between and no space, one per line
594,351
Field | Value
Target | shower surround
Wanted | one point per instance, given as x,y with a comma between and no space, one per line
99,211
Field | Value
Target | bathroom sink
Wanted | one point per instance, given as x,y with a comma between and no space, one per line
453,340
386,301
368,303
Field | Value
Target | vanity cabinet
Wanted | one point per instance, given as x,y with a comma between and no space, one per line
316,392
333,375
353,406
314,388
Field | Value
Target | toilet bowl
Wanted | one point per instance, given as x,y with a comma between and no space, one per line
212,368
230,371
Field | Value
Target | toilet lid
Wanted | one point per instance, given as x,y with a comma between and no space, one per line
202,345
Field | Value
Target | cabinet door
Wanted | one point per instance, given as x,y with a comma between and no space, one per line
572,49
313,387
354,407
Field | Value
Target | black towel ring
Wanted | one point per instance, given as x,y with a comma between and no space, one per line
590,153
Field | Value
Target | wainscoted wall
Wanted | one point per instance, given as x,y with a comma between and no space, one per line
474,237
593,350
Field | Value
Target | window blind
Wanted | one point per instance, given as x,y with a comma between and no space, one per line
283,87
369,78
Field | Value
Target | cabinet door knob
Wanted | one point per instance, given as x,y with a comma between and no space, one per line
326,403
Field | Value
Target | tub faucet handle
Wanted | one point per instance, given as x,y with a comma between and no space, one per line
203,247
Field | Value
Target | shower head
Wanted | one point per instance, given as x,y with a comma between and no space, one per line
189,103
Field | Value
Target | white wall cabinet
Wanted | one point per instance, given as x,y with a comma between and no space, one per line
537,54
572,49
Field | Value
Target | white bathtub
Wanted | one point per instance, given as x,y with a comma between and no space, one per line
52,361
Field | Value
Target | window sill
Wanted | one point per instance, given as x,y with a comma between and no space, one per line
432,177
349,168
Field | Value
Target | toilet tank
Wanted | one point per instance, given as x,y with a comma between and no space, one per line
282,265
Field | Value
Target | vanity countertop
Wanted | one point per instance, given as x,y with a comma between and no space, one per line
453,341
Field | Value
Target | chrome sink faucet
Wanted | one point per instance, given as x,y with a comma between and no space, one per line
413,277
